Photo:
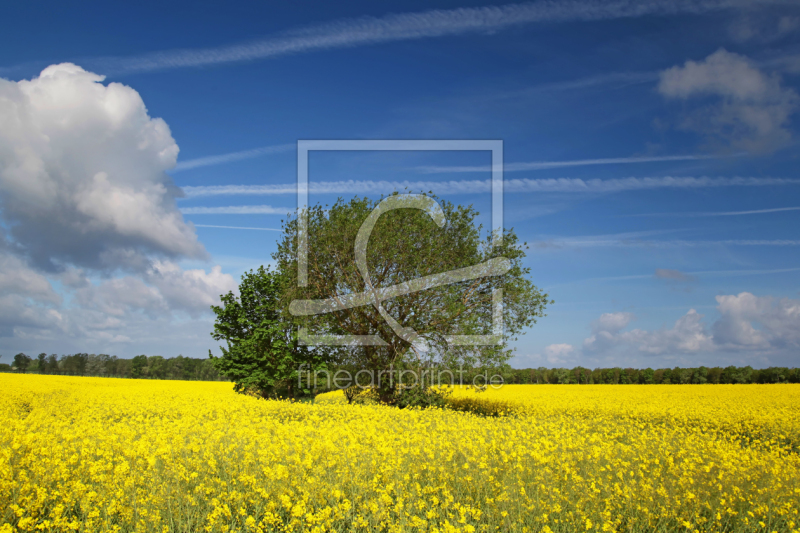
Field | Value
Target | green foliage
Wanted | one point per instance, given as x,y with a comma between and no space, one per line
421,397
141,366
406,245
662,376
138,366
52,364
263,355
21,362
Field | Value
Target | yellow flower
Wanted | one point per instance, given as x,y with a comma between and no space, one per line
124,455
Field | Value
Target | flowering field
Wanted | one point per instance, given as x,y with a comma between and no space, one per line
91,454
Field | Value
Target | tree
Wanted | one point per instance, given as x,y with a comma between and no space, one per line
41,363
75,365
138,366
700,375
263,354
97,364
21,362
52,364
156,367
408,243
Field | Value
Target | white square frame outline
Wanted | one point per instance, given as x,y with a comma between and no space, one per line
420,145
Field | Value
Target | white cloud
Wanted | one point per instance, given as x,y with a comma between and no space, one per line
612,322
605,329
193,291
165,289
17,278
82,173
747,324
752,110
84,194
558,354
17,312
688,335
120,296
750,321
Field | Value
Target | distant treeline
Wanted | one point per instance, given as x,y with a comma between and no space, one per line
141,366
661,376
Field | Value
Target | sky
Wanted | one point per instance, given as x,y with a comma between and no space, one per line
148,154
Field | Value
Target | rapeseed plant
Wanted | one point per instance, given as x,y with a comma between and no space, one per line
95,454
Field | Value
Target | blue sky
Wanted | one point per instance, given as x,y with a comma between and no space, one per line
650,151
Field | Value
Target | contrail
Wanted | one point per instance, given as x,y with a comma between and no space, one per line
718,213
593,242
508,167
566,185
541,165
349,33
234,227
230,157
238,210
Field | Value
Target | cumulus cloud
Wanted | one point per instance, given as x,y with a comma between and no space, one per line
17,278
163,289
605,329
750,109
747,323
86,204
18,313
82,174
762,322
117,297
558,354
688,335
193,291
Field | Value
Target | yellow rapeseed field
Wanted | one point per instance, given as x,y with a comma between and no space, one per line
94,454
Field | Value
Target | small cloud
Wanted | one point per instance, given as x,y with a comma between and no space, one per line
558,354
674,275
762,28
612,322
748,110
788,24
